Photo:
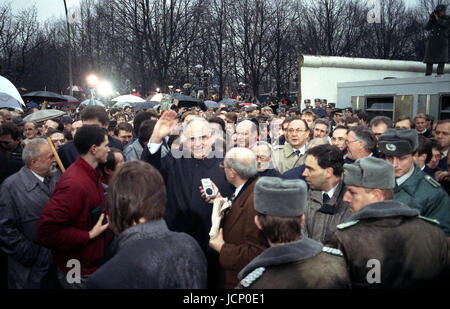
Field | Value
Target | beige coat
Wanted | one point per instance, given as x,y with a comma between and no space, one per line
285,158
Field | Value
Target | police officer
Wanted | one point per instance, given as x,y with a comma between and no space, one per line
307,105
319,111
293,261
413,187
386,243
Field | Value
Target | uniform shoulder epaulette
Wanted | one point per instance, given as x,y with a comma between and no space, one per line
252,277
333,251
346,224
432,181
434,221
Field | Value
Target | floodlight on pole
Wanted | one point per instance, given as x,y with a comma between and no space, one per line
105,88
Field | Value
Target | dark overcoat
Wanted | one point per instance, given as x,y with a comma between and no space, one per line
436,45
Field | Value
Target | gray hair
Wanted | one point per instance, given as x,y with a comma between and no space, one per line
366,136
32,150
323,121
243,161
199,119
263,143
318,141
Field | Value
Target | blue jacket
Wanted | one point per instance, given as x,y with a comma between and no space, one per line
149,256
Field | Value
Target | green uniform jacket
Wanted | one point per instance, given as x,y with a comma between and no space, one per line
421,192
436,45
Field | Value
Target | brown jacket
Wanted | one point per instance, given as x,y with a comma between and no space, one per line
410,251
320,223
303,264
243,240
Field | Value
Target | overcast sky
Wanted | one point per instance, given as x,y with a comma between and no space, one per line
55,8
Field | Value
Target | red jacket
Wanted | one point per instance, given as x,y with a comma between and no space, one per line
65,222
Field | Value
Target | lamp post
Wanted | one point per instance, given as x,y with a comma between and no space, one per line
70,52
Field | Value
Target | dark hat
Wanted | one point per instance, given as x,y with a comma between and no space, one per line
250,109
278,197
316,100
349,109
338,111
398,142
324,100
307,101
370,172
18,121
293,109
66,119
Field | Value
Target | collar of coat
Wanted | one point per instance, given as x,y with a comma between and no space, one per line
410,184
30,181
302,249
384,209
151,229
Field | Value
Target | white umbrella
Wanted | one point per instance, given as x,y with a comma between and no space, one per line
128,98
43,115
90,102
9,96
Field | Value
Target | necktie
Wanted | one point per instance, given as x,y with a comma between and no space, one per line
47,181
326,198
297,152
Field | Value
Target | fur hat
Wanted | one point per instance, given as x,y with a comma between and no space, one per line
280,197
398,142
370,172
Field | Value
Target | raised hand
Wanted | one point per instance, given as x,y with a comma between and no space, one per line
164,126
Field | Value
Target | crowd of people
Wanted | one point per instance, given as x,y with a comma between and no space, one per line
301,198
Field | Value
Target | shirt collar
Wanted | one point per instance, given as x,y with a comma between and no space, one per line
238,189
402,179
37,176
331,192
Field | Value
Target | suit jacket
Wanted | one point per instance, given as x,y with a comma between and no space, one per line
319,223
243,240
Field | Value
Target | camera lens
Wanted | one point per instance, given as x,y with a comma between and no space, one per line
209,191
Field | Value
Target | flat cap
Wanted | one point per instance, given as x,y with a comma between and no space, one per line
370,172
398,142
338,111
280,197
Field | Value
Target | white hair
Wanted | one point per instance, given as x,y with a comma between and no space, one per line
32,150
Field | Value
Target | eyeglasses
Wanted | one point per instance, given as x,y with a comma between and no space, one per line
348,142
298,131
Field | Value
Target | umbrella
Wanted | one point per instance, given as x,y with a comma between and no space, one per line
248,104
123,104
9,96
228,101
182,100
7,101
70,101
76,88
128,98
159,97
44,96
145,105
43,115
211,104
90,102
